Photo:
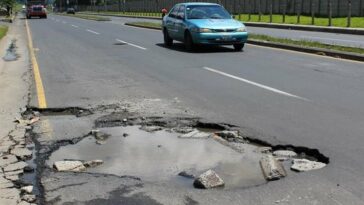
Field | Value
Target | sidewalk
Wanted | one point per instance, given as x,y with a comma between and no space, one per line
15,80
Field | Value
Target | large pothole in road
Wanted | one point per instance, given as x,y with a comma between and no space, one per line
162,155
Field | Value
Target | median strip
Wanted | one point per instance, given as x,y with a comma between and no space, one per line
87,17
336,51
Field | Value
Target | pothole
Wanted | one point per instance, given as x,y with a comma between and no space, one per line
162,155
11,54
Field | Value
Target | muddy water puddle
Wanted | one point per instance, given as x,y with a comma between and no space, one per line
160,156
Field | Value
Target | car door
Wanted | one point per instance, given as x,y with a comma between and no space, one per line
170,22
180,23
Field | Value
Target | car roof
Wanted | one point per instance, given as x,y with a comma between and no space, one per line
197,3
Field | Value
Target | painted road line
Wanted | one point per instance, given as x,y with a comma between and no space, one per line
42,103
255,84
91,31
130,44
74,26
331,39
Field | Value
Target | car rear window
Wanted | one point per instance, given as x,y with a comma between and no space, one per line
37,8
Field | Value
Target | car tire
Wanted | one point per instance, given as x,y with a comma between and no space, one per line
189,41
238,47
28,17
168,41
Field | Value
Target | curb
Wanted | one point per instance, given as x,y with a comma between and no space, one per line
316,51
353,31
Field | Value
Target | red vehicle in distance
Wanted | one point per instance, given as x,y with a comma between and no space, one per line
36,10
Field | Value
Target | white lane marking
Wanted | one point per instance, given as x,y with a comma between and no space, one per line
91,31
74,26
255,84
332,39
130,44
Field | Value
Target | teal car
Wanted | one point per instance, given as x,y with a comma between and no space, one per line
203,23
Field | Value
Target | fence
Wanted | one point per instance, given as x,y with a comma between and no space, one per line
320,8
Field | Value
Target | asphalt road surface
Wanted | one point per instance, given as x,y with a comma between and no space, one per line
322,37
279,96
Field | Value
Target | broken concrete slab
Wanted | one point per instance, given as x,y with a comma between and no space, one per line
13,178
4,183
285,153
11,193
29,198
75,166
7,159
27,189
208,180
22,153
24,203
228,135
16,166
272,169
264,150
12,173
151,128
196,134
183,130
303,165
93,163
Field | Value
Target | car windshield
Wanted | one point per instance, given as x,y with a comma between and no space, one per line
206,12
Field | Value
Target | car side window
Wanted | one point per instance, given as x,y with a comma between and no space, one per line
174,12
181,12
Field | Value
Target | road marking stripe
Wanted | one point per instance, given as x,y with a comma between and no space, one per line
42,102
91,31
74,26
130,44
255,84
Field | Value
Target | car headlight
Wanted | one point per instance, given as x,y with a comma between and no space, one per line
241,29
201,30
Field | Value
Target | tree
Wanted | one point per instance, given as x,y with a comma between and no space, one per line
8,4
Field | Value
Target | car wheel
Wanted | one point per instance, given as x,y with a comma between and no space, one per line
188,41
45,17
239,47
28,17
168,41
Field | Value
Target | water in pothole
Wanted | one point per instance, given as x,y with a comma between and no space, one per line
160,156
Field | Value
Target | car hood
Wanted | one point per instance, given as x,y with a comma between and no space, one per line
216,23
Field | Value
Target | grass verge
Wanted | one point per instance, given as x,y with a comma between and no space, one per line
265,38
356,22
3,31
88,17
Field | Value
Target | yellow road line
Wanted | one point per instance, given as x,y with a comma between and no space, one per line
42,103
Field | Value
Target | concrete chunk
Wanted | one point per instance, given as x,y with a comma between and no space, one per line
285,153
27,189
196,134
208,180
15,166
75,166
7,159
302,165
272,169
22,153
93,163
